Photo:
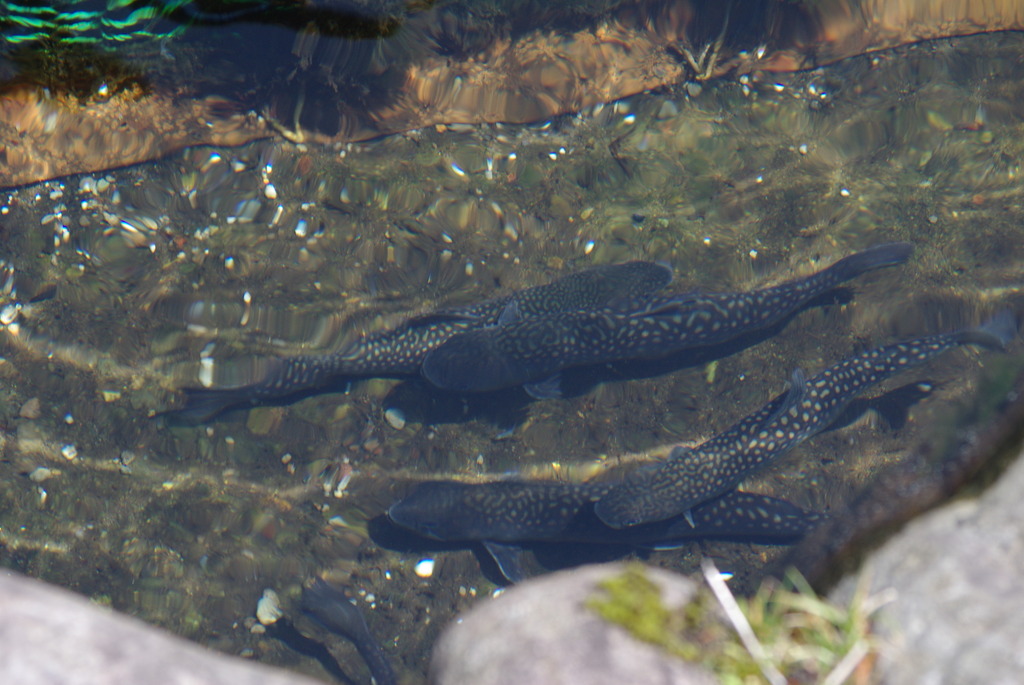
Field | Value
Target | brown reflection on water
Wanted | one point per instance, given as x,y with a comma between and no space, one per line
513,62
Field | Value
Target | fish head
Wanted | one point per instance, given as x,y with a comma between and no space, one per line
433,509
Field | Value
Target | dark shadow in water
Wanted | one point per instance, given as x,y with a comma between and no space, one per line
285,631
204,405
423,403
387,535
549,555
892,406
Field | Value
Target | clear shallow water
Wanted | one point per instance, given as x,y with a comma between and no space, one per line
138,271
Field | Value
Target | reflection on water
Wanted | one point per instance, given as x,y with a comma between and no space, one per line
104,83
120,287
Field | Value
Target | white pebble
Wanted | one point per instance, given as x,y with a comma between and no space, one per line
39,474
8,314
424,568
206,372
268,609
395,418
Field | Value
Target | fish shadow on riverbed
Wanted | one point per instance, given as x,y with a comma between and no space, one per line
211,405
547,555
386,535
421,402
285,631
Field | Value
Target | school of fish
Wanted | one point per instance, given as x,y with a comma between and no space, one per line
597,316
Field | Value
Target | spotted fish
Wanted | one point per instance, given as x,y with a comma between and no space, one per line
694,475
502,514
528,350
400,351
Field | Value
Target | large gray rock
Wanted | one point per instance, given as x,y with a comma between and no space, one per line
542,633
49,635
959,612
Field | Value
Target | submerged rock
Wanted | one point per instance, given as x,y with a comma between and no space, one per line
956,574
51,635
542,632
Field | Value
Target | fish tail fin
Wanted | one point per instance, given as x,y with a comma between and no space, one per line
203,404
546,388
995,334
669,272
877,257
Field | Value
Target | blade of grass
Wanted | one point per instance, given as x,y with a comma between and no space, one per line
739,622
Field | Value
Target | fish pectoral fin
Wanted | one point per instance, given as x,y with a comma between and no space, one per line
509,559
547,389
665,545
679,452
675,306
627,304
510,314
203,404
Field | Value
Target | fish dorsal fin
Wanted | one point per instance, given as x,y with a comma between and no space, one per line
670,306
509,559
547,389
434,318
668,269
794,395
510,314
